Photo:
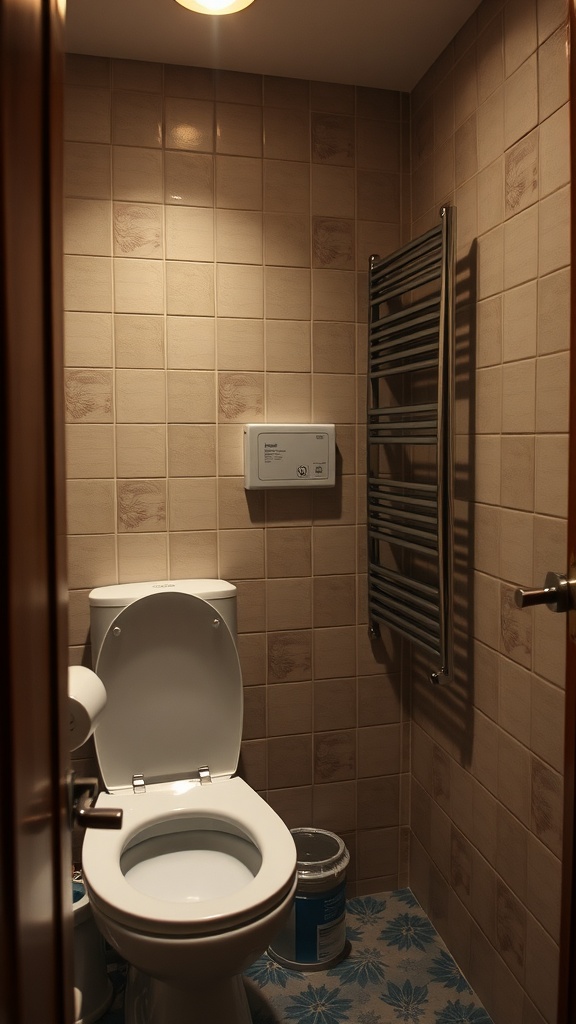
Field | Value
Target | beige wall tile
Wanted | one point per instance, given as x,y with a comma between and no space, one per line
290,709
138,286
288,346
287,240
193,555
285,92
189,233
491,263
190,343
554,243
142,557
191,396
144,76
288,552
520,322
186,81
516,544
87,339
188,178
87,114
191,449
240,397
238,129
521,248
289,656
489,331
137,174
286,186
88,283
519,396
554,151
521,101
490,65
140,396
241,554
514,700
139,341
238,183
87,227
550,496
91,561
138,230
88,395
288,602
189,289
490,128
520,33
552,393
491,196
87,170
552,73
542,959
189,124
192,504
287,293
140,449
286,134
288,398
238,508
547,723
141,506
518,472
90,506
239,291
89,450
240,344
238,236
553,312
136,118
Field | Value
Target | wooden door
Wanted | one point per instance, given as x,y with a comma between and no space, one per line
35,889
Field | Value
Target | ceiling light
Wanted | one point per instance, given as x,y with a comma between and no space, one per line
215,6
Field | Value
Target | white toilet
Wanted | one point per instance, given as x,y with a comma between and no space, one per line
201,875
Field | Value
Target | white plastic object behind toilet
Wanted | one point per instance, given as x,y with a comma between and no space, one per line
93,990
86,701
168,744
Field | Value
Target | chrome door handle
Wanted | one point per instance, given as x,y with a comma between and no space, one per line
85,814
558,593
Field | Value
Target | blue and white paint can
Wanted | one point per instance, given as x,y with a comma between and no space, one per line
314,937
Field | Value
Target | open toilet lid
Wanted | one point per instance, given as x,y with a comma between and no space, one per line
174,692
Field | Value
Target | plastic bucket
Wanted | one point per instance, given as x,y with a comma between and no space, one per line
314,937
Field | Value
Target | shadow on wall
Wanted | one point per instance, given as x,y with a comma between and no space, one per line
451,707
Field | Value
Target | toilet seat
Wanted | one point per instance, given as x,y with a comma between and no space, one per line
166,716
229,805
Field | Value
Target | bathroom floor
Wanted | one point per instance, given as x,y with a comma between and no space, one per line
399,969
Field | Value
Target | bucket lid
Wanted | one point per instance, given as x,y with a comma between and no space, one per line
319,852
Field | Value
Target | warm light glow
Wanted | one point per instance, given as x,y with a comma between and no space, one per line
215,6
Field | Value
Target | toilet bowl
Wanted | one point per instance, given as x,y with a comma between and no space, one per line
202,873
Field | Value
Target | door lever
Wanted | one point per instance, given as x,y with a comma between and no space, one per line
558,593
84,792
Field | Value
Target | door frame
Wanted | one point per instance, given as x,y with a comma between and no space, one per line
36,978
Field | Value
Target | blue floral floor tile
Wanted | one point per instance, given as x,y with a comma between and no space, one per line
398,970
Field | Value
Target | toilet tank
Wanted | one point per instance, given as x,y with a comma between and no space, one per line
107,602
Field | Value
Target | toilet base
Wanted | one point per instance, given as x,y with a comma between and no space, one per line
150,1001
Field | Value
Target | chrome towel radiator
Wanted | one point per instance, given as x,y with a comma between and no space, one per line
410,448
